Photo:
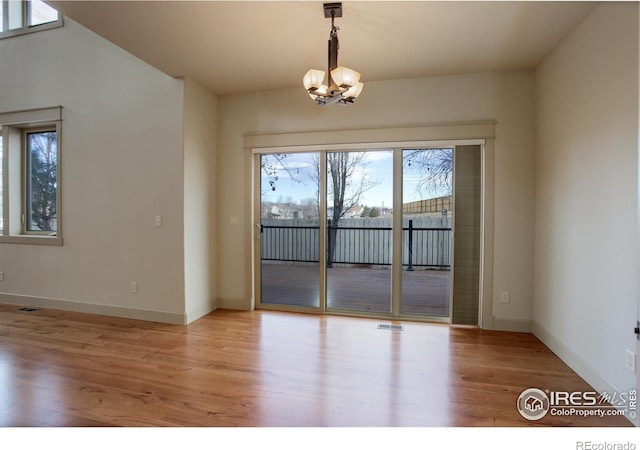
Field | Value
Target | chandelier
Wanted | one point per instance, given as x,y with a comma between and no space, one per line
344,84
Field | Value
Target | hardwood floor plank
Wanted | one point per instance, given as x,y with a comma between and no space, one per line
268,369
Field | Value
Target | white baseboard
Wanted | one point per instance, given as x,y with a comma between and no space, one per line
573,360
242,304
92,308
199,311
521,326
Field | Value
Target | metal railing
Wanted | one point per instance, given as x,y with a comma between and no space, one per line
423,247
426,247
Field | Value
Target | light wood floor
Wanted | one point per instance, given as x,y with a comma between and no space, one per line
264,368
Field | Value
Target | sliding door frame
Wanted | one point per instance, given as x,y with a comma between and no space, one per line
450,135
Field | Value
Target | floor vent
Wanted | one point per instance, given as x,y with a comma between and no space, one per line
27,309
384,326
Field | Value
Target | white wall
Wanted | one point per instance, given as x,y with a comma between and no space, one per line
200,135
586,257
121,165
505,97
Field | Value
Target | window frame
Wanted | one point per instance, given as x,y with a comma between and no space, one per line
26,27
27,179
14,127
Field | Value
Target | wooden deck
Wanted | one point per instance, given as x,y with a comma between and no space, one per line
425,292
269,369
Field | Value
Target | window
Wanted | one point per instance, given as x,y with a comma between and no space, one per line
41,181
39,13
1,186
26,16
29,177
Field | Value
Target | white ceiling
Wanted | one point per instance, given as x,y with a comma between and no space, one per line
243,46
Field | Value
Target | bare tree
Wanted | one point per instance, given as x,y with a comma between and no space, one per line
345,185
435,166
309,207
347,181
272,164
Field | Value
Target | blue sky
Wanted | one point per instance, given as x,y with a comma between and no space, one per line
298,183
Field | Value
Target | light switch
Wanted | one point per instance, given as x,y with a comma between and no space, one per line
158,221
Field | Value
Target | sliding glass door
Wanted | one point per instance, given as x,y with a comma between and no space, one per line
371,232
289,230
427,212
359,230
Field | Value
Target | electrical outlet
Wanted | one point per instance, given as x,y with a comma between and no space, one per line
504,297
158,221
133,288
630,361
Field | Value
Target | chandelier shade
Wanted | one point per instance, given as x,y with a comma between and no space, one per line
343,76
313,79
354,90
320,92
343,84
